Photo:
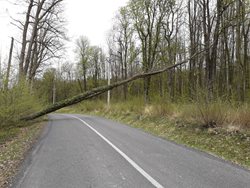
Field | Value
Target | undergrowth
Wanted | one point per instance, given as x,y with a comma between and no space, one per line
15,103
206,115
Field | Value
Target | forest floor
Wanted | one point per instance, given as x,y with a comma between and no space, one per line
15,143
229,144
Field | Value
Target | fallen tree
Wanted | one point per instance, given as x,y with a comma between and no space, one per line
99,90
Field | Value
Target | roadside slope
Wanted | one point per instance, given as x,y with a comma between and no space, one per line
14,149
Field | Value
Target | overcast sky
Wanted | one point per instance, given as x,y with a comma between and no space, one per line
91,18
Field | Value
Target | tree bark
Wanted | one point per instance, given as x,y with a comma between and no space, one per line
24,40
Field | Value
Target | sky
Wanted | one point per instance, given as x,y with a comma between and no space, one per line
7,10
90,18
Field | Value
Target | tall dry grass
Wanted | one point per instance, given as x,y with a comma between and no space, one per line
240,117
208,115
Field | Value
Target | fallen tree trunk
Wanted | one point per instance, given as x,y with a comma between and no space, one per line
97,91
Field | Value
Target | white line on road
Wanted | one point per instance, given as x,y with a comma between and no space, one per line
136,166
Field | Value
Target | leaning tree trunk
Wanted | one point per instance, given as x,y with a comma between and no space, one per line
97,91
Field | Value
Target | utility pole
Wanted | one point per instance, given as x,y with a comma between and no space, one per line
1,86
6,83
54,91
108,97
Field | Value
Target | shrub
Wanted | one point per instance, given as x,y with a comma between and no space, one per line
16,102
163,109
243,117
134,105
211,114
188,112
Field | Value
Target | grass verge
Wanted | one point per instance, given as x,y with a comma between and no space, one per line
14,144
225,143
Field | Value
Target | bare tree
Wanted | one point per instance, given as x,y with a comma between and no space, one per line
83,56
42,33
147,18
170,43
125,41
1,73
95,62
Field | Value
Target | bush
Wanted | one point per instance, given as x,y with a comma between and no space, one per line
162,109
188,112
16,102
242,117
212,114
91,105
202,113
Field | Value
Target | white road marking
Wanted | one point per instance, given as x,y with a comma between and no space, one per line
136,166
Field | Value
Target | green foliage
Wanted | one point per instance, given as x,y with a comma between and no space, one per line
16,102
8,134
44,87
63,88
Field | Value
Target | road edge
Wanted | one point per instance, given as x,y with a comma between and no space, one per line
25,163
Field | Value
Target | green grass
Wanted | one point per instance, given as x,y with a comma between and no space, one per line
234,147
7,134
230,145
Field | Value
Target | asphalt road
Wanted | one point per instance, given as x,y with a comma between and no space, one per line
86,152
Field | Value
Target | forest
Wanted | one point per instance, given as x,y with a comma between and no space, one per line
177,70
186,58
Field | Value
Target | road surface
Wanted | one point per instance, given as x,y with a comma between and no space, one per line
79,151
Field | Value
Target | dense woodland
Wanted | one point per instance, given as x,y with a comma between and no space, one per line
212,37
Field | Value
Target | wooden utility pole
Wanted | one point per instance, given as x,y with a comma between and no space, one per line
54,92
1,81
6,83
109,71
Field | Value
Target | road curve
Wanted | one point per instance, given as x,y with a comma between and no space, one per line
79,151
